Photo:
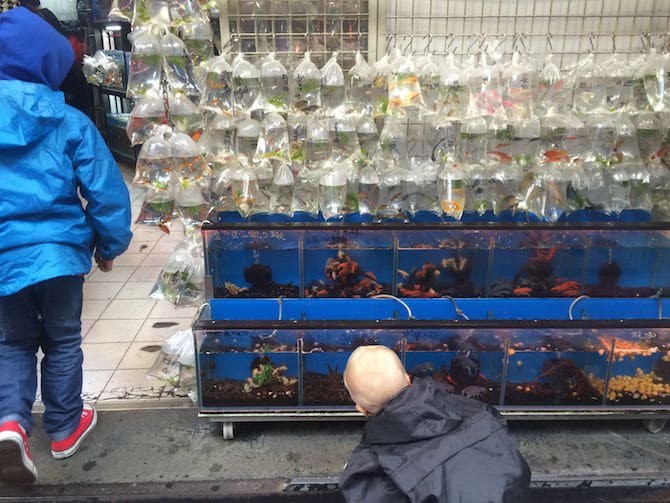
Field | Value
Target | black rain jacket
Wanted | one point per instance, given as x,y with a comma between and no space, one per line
427,445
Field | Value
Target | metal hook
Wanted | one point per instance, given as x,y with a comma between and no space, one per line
469,51
550,45
358,42
429,41
450,39
274,42
592,45
409,48
389,39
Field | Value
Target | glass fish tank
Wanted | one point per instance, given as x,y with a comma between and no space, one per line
458,260
288,355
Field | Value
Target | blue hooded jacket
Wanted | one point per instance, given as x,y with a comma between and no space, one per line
50,154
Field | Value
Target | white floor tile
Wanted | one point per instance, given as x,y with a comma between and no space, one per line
142,247
151,333
146,233
155,259
101,290
132,384
136,290
146,274
164,247
128,309
129,259
140,355
92,309
166,310
103,356
113,331
86,326
117,274
94,382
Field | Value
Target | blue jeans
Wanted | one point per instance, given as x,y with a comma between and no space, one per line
46,315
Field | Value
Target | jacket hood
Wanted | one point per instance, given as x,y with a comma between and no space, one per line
29,112
32,50
420,411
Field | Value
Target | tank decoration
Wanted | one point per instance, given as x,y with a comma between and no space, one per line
265,374
345,278
259,277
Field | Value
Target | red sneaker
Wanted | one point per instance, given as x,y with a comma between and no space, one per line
16,464
66,448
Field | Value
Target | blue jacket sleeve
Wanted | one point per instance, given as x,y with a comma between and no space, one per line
101,184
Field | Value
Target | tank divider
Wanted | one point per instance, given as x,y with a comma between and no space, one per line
503,380
301,266
301,372
585,266
394,273
608,375
489,267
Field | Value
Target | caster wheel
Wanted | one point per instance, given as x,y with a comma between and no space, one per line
654,425
228,431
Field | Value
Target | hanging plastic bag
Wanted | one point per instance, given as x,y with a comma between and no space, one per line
121,10
405,97
419,185
297,138
332,192
247,136
182,280
190,166
368,190
150,12
431,85
158,207
392,140
620,84
185,116
453,103
273,141
178,66
145,64
451,190
264,176
191,207
361,78
219,141
247,91
274,80
389,203
306,191
221,189
318,146
145,117
485,88
473,140
281,191
244,187
197,36
368,139
653,76
552,94
102,70
345,139
306,86
332,85
520,86
217,94
155,165
380,90
590,87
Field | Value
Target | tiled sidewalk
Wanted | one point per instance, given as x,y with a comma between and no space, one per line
121,338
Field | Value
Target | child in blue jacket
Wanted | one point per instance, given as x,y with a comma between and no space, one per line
50,155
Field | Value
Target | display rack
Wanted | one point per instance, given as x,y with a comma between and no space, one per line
524,343
111,107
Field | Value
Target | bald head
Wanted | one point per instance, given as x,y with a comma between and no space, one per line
374,374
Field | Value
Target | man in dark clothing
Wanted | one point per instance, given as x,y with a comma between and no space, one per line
423,444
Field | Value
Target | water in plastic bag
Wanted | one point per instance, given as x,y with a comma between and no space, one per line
178,66
248,133
185,116
275,84
155,163
306,191
361,78
431,84
405,97
306,86
366,131
389,203
332,85
473,137
332,191
145,117
590,87
453,103
247,90
244,187
217,95
368,190
190,165
553,93
393,140
451,190
318,145
145,64
281,191
273,143
197,36
520,87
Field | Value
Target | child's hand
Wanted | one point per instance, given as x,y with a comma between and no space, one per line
103,265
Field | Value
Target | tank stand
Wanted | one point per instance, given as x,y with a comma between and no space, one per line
228,431
655,425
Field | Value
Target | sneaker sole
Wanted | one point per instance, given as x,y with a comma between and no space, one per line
14,469
72,450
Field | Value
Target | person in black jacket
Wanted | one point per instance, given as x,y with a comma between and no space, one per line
423,444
